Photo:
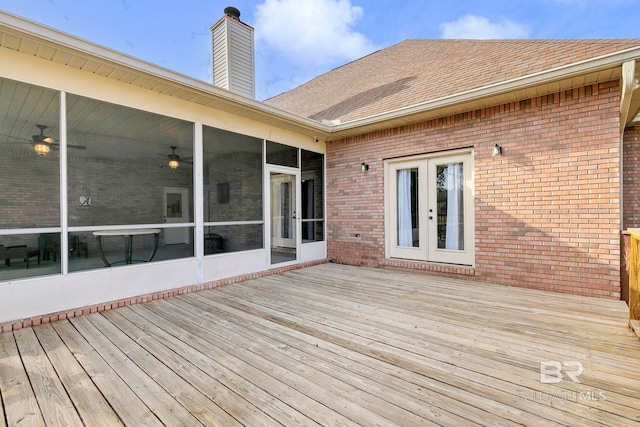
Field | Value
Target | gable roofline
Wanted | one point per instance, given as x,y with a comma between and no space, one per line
600,69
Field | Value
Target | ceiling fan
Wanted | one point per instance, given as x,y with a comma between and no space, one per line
174,159
42,143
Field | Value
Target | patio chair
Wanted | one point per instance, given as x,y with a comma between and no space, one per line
76,246
21,252
49,245
213,243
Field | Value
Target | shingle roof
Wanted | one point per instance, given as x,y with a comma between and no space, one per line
416,71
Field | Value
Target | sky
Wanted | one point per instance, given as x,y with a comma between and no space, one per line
297,40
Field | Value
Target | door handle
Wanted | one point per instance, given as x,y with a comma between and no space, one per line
430,217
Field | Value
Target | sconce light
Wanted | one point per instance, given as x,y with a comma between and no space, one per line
364,167
497,151
41,148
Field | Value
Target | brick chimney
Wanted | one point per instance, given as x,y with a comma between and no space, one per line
233,57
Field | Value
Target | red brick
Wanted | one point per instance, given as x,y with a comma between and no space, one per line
552,199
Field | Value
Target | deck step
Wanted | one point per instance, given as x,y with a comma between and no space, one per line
635,325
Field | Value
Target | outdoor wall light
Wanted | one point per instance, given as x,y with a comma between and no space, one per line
497,151
364,167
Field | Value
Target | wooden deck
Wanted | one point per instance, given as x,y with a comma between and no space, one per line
330,345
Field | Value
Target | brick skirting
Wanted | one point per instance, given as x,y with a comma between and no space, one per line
428,267
80,311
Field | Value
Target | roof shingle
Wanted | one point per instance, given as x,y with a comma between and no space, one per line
416,71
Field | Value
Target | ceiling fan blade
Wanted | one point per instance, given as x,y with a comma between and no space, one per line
14,138
77,147
43,138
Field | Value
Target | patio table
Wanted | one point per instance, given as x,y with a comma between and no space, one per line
128,239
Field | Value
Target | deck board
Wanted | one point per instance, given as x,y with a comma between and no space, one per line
53,401
329,345
91,405
18,397
125,403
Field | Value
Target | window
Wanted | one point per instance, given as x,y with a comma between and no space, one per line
119,174
30,181
430,215
282,155
312,196
30,184
233,191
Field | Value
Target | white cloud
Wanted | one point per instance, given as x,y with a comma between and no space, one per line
479,27
312,32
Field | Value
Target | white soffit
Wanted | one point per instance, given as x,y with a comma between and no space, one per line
51,45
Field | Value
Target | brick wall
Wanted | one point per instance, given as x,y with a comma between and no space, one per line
121,193
30,188
631,178
241,174
547,212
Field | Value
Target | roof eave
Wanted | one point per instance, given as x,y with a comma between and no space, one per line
604,68
551,81
203,91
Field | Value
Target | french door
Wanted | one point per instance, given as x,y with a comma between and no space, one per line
430,213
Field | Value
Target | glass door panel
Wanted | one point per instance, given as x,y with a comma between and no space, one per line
451,210
407,209
284,224
407,193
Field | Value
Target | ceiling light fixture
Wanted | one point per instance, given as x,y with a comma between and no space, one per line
41,148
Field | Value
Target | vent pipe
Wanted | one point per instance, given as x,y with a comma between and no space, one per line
232,12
